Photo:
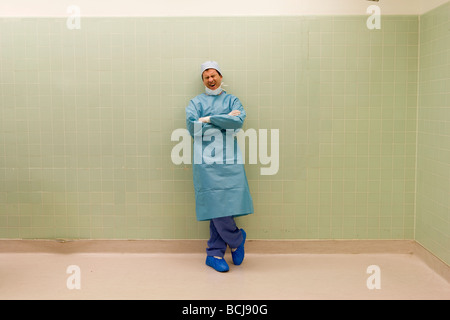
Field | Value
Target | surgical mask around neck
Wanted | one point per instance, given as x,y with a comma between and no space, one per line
213,92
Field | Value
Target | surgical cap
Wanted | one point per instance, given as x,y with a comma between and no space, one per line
210,65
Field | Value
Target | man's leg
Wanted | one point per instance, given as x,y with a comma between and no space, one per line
216,245
225,228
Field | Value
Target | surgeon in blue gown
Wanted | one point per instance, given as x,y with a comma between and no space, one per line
220,182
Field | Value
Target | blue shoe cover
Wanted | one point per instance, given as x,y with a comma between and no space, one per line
239,254
219,265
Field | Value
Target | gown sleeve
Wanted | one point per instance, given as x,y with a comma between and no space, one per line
192,123
224,121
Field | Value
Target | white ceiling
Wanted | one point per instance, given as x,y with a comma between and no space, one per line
58,8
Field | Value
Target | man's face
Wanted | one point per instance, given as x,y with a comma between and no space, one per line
212,79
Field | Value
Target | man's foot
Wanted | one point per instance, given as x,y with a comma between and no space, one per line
239,254
218,264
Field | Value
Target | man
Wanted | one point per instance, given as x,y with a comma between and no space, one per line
220,182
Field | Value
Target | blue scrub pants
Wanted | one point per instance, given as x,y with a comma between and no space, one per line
223,232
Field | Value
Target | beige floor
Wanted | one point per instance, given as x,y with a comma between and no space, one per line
184,276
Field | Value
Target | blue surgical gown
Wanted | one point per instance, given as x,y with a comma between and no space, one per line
221,187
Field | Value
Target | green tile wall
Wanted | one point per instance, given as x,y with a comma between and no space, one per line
433,153
86,118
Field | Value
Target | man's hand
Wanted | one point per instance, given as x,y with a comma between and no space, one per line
234,113
205,120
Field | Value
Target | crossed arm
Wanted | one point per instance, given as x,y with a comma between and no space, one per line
232,120
208,119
